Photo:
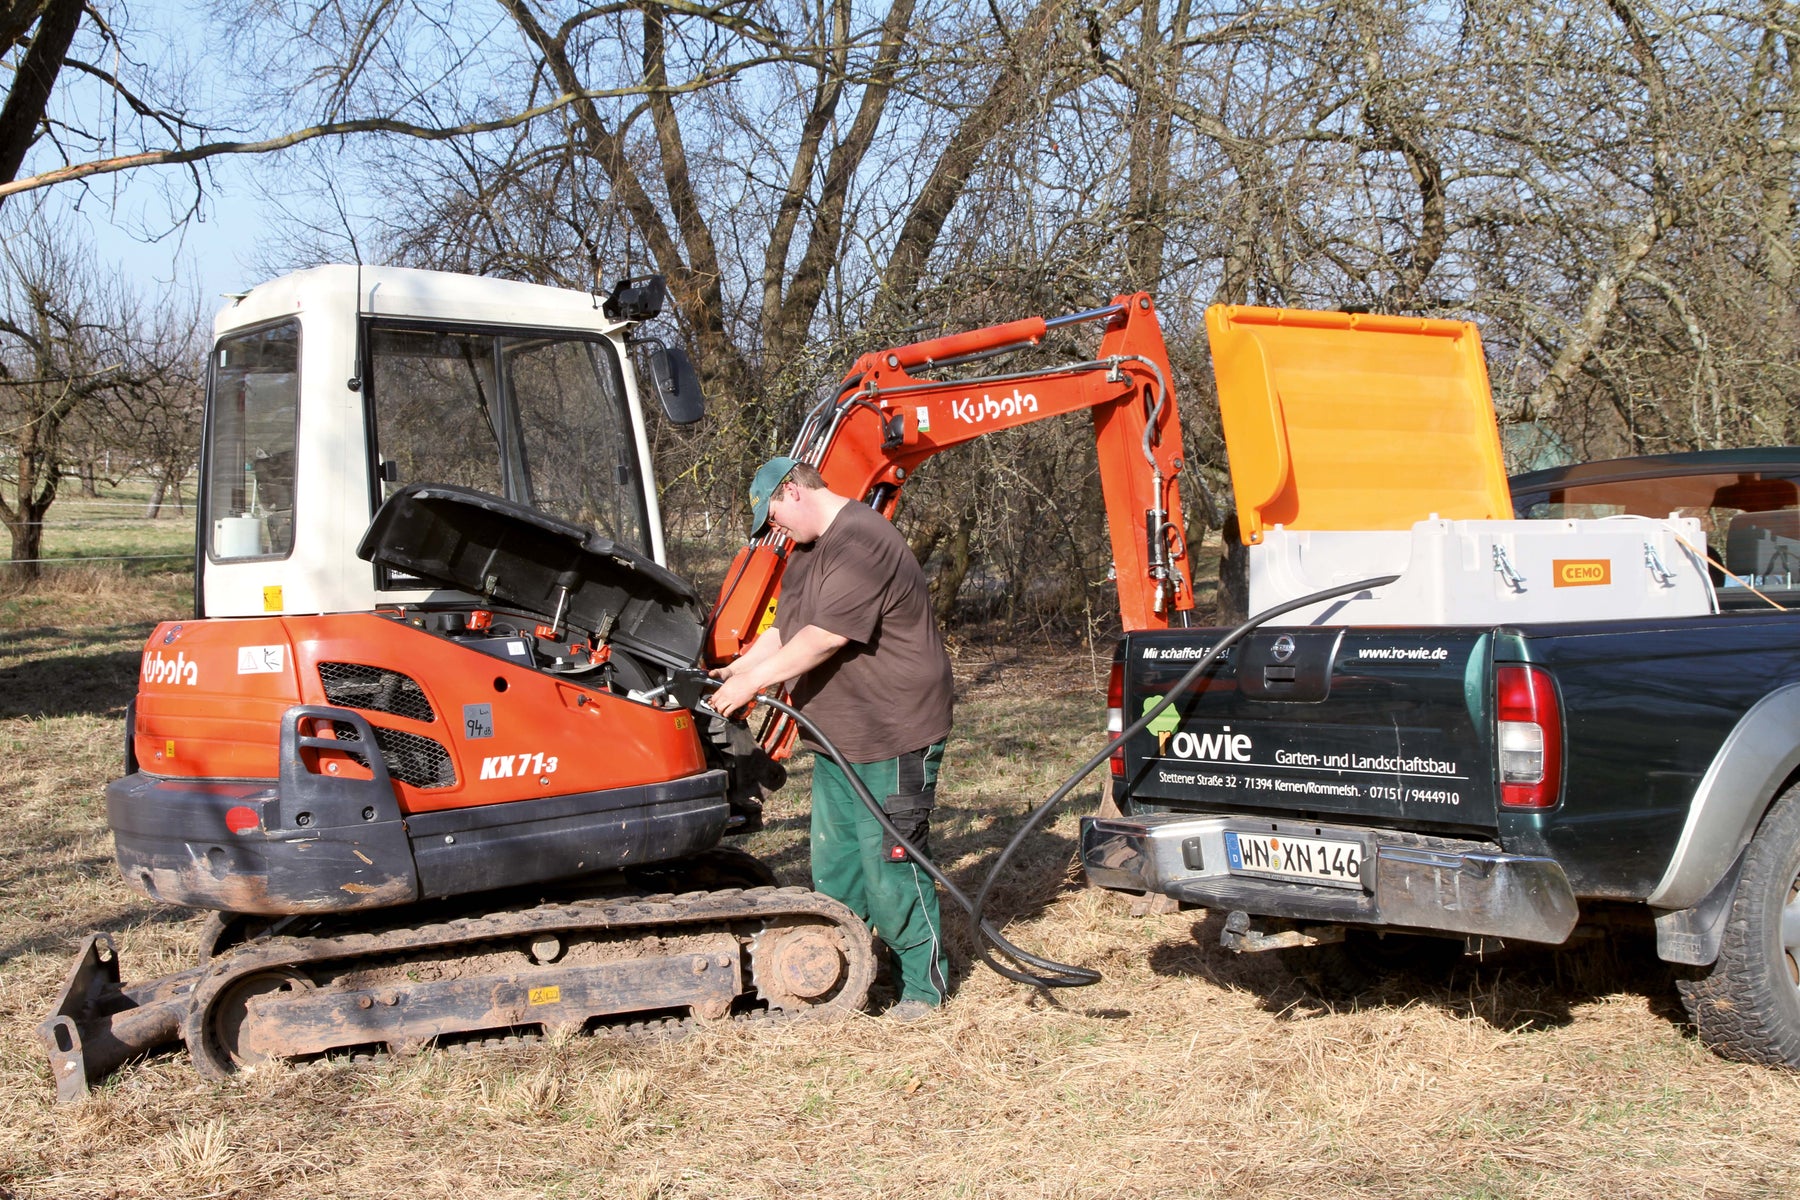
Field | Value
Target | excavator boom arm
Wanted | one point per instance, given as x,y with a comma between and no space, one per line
885,421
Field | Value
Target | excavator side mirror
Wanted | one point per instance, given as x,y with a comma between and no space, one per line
676,385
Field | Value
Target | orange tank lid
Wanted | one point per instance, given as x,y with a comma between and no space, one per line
1338,420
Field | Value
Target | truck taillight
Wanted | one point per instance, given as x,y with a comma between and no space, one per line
1115,715
1530,737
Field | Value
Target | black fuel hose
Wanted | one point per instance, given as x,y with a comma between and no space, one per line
1054,974
1068,976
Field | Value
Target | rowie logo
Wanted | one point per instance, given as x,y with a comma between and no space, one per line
1223,746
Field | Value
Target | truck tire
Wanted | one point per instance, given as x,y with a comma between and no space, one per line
1746,1007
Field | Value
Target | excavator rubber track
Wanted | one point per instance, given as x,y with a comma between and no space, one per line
615,964
593,965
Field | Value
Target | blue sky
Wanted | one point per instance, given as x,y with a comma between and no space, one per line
129,220
213,253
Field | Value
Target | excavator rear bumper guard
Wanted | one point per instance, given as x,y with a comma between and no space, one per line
316,842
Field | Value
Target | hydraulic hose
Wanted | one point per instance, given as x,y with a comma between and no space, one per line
1051,974
1082,976
1057,974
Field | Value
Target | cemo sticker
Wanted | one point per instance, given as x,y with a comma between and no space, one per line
1581,572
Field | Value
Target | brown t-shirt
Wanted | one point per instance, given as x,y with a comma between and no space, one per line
888,691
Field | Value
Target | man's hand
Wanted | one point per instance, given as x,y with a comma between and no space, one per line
756,671
736,694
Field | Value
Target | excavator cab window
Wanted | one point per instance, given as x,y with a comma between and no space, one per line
256,400
538,419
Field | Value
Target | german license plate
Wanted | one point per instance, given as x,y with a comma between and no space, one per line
1314,860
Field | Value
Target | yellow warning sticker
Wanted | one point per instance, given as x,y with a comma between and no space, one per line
681,722
768,619
169,748
545,995
272,598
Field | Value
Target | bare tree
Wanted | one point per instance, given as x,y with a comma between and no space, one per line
75,351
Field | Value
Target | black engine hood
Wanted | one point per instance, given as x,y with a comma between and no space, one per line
508,554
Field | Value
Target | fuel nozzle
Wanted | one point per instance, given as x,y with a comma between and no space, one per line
687,686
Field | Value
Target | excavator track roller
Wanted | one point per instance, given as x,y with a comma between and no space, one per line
795,963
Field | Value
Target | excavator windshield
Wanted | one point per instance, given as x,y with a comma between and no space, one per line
540,419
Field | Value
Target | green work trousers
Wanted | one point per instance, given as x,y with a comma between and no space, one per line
896,899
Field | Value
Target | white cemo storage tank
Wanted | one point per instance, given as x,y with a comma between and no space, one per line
1480,572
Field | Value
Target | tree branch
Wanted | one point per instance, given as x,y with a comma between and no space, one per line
708,303
573,96
721,364
825,238
826,92
1027,77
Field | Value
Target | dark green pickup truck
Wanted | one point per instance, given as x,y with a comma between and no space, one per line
1360,786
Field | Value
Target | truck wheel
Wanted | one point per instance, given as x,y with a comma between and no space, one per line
1747,1005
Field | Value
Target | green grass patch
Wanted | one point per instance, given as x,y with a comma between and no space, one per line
82,532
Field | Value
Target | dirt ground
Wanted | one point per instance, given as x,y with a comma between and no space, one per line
1186,1072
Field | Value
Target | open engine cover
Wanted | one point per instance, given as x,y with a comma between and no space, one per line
511,555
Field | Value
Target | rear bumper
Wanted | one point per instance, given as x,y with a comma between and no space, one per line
1418,883
312,842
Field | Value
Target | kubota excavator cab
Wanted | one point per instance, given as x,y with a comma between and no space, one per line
330,389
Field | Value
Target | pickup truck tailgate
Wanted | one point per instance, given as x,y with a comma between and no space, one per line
1382,727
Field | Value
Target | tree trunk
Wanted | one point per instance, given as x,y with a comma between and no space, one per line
1234,575
947,586
1152,135
27,534
29,94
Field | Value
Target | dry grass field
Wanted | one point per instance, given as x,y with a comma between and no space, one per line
1187,1072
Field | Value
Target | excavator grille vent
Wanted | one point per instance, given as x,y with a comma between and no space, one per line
420,761
356,685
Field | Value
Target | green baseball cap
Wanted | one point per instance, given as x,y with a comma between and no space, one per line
762,488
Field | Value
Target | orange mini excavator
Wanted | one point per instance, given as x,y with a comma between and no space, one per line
431,749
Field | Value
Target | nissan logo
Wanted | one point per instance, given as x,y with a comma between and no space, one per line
1283,648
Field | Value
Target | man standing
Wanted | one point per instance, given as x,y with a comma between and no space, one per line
854,634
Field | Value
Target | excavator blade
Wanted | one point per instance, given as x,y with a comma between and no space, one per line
98,1025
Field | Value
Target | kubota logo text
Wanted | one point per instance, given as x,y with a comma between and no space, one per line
971,411
1223,746
179,669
